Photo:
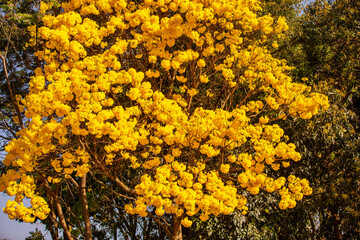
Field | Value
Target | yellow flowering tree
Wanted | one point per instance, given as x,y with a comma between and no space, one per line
185,92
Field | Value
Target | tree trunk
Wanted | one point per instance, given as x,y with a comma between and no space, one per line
53,225
177,231
85,208
66,231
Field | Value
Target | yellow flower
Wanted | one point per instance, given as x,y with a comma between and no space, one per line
204,79
192,92
166,64
264,120
224,168
152,59
201,63
186,222
176,152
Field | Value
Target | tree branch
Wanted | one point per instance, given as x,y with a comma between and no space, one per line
12,97
108,188
67,234
85,207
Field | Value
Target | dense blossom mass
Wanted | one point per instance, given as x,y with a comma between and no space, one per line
185,91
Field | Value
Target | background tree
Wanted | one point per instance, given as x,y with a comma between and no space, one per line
324,49
329,46
17,61
37,235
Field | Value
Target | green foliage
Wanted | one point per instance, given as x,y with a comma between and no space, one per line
15,73
37,235
332,160
331,44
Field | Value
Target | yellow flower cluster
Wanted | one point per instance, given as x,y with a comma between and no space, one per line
166,87
20,189
295,191
185,193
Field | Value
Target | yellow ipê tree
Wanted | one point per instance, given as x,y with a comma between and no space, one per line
184,91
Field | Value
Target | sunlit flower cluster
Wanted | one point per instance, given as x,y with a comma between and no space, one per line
26,188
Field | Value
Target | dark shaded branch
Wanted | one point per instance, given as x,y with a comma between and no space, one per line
12,97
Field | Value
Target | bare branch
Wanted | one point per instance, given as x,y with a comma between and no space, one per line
108,188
